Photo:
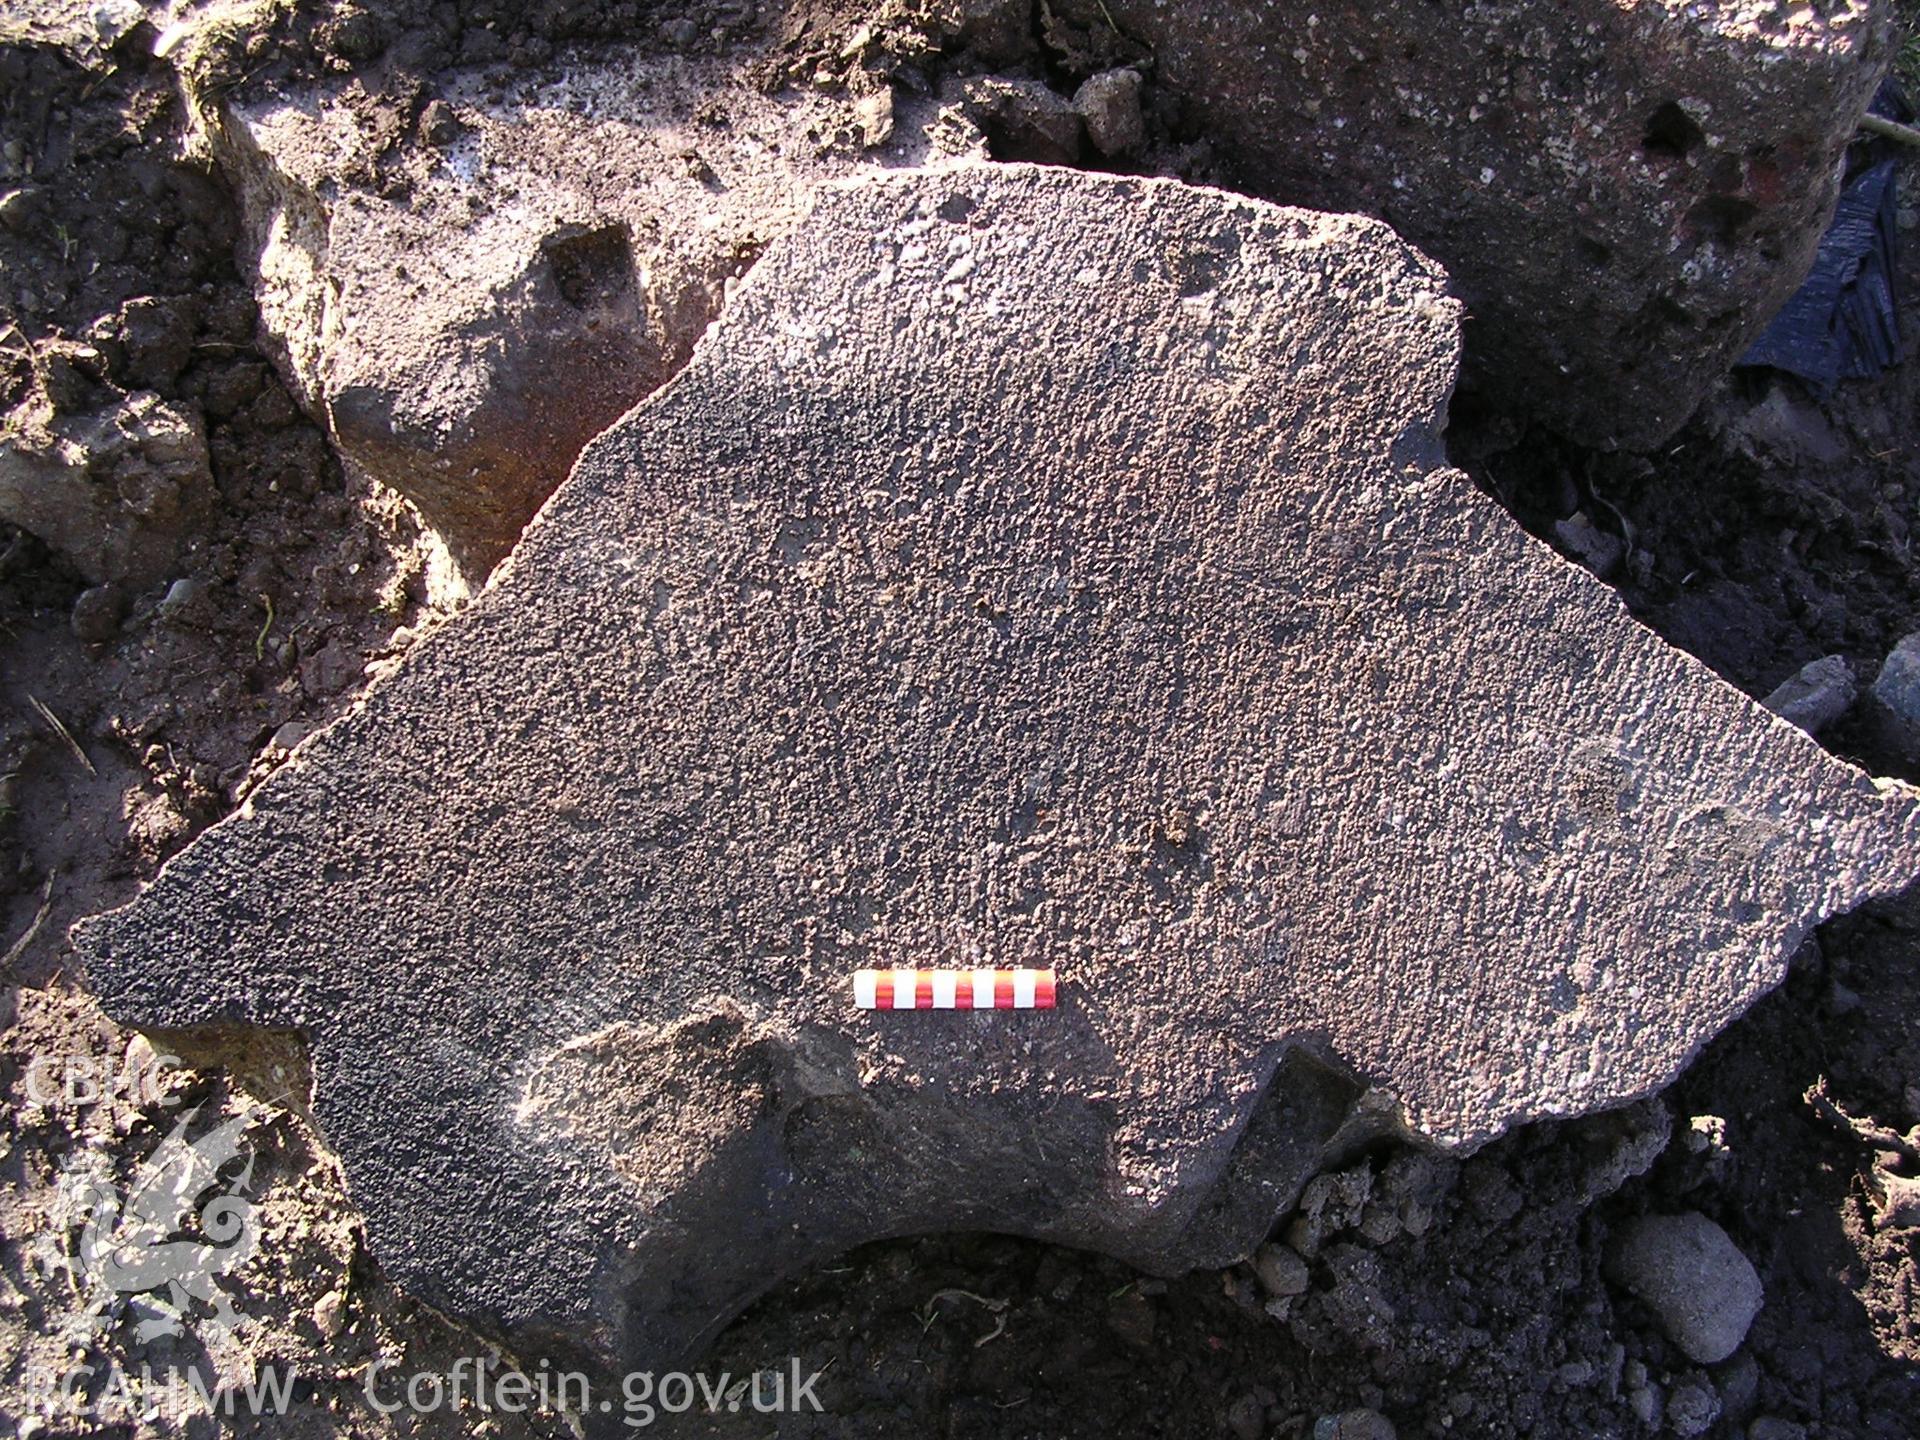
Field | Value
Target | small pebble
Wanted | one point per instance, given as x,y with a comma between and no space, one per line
1109,103
1693,1277
439,126
1599,550
290,734
1692,1406
180,595
874,115
1896,692
1354,1425
330,1313
96,614
1816,695
1246,1418
1281,1271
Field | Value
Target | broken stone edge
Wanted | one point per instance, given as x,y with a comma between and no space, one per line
1873,873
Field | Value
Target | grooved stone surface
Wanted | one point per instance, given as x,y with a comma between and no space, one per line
1031,568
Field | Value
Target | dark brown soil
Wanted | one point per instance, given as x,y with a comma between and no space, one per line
297,581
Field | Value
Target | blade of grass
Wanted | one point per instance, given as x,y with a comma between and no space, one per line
53,723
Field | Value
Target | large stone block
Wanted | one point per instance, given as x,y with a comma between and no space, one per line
465,300
1623,193
1031,567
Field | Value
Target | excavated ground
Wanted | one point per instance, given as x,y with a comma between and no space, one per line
1775,529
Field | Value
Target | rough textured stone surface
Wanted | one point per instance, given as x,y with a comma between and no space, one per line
1601,551
1692,1407
465,314
1109,103
1693,1277
1028,119
1354,1425
1281,1271
1816,695
1624,194
1031,567
1896,692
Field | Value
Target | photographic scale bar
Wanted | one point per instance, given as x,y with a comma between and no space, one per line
953,989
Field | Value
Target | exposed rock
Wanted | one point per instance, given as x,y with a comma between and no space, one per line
183,597
1026,120
1693,1277
330,1314
1030,567
1692,1406
1896,694
1354,1425
1817,695
1109,103
1623,194
439,126
1281,1270
97,612
115,491
464,315
874,114
1599,550
1246,1418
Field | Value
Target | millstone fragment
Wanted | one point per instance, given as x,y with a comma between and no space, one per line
1032,569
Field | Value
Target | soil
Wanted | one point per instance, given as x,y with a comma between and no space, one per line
1462,1298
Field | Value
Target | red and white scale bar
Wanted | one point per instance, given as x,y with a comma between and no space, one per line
953,989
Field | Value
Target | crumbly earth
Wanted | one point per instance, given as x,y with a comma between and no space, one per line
1466,1299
